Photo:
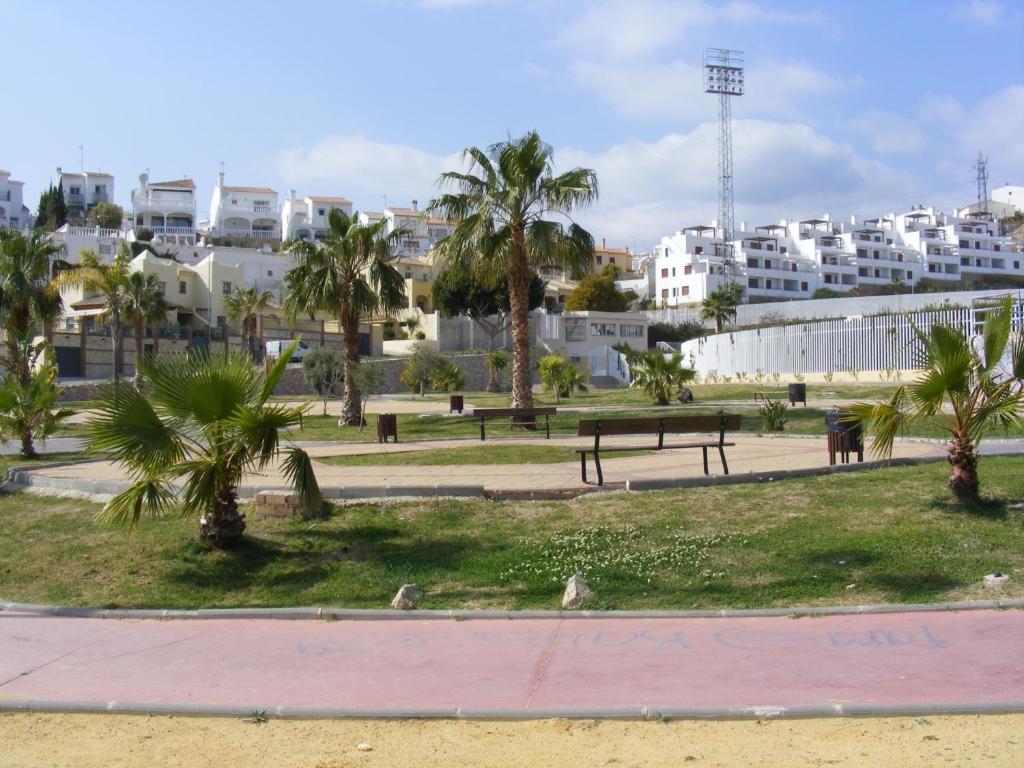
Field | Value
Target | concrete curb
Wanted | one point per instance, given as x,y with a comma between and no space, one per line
388,614
470,713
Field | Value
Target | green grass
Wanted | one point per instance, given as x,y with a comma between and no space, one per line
893,533
484,454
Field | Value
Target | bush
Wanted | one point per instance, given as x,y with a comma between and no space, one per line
825,293
144,234
773,414
691,329
560,376
420,368
107,215
447,378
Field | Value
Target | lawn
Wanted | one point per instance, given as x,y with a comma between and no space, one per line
484,454
888,535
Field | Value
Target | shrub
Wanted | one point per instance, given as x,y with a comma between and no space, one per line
660,377
145,234
656,332
773,415
420,368
560,376
447,378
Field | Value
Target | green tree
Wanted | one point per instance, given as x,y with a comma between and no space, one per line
370,381
29,412
456,293
246,304
500,203
204,418
52,212
720,305
323,370
107,215
980,395
597,293
496,362
660,377
348,274
560,376
109,281
30,300
420,368
143,305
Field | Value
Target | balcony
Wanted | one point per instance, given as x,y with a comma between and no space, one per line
156,203
250,234
100,197
178,231
228,210
75,198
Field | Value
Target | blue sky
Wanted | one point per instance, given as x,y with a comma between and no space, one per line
852,106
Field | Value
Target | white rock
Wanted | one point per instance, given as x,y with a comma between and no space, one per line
576,592
996,580
851,586
407,597
364,747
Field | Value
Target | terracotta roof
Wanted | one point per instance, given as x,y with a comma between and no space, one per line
339,200
268,190
176,184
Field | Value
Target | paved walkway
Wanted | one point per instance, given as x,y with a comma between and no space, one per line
829,665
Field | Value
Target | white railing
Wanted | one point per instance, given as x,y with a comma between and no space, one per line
89,232
144,202
251,234
187,231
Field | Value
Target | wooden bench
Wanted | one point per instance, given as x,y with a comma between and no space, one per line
598,428
522,417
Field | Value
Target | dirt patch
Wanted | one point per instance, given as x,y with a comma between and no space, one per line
116,741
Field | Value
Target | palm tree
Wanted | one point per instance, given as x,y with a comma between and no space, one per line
658,376
247,304
496,362
499,205
348,274
28,412
980,394
144,304
720,305
204,418
29,300
109,281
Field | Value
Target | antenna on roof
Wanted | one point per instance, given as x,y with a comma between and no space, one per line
81,157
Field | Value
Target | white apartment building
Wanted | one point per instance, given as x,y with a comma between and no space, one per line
84,190
167,208
305,218
792,259
250,213
13,211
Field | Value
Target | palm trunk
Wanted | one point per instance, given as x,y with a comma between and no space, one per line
117,331
140,332
351,411
492,380
963,479
225,524
28,446
519,305
244,330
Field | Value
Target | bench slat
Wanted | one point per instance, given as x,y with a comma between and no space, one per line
602,449
544,411
649,425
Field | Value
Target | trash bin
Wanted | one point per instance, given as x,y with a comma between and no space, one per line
387,426
844,437
455,403
798,393
685,395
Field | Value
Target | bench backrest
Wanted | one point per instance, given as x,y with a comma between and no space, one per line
543,411
655,425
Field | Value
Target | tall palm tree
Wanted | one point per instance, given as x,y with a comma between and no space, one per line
720,305
144,304
109,281
348,274
499,205
204,418
980,391
29,300
246,304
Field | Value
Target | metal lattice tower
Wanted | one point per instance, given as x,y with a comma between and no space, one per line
723,74
981,168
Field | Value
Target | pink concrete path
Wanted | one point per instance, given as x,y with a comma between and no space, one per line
523,665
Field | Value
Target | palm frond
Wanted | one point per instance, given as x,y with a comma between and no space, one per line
126,508
298,469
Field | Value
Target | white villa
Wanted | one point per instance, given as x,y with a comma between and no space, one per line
305,218
250,213
167,208
13,211
84,190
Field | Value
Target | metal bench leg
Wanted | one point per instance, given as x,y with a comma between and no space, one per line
721,452
705,450
597,463
482,428
547,428
583,467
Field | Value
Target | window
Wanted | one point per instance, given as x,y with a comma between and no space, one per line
321,211
182,287
632,331
965,243
675,291
221,320
767,263
768,284
977,244
876,254
688,269
575,329
611,259
261,202
673,271
1016,265
910,275
803,286
270,273
862,253
783,249
792,267
225,287
878,273
163,286
408,274
101,189
75,190
664,272
105,249
698,250
686,290
599,259
664,293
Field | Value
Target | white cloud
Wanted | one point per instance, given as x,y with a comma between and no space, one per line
984,12
995,128
890,133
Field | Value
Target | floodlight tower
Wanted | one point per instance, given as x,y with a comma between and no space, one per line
723,74
981,168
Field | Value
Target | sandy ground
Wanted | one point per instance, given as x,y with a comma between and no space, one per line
117,741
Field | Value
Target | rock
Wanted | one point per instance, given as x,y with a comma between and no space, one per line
407,597
996,580
851,586
364,747
576,592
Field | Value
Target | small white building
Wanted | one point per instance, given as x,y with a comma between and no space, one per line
245,213
84,190
1011,195
167,208
13,211
305,218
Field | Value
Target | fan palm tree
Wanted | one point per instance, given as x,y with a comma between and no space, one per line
720,305
349,275
144,304
499,204
658,376
979,391
29,299
28,412
109,281
204,418
246,304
